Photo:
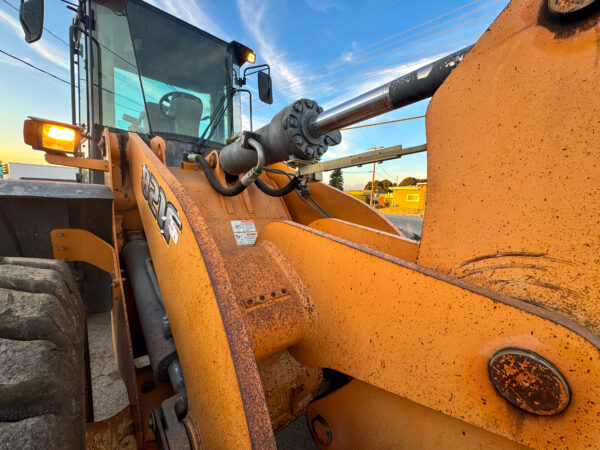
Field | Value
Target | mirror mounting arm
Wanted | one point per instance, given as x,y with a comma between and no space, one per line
250,95
241,81
265,85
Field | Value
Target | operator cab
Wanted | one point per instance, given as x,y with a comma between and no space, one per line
149,72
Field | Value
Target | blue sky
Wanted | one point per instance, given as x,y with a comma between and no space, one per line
327,50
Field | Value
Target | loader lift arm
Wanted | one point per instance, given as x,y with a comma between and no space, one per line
484,334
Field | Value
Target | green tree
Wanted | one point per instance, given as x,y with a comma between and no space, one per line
336,179
368,185
383,185
412,181
409,181
386,185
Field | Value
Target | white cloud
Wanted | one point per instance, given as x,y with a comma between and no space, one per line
322,5
48,51
191,12
12,62
348,56
253,15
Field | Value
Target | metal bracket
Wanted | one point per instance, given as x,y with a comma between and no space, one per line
73,244
82,163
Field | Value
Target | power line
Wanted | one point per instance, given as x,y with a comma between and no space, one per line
50,32
334,24
386,173
383,69
68,82
348,65
382,123
304,17
69,3
34,67
326,38
392,37
67,44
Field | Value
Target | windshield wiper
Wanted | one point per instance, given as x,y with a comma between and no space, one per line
215,120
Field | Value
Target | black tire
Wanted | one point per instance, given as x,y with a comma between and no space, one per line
42,370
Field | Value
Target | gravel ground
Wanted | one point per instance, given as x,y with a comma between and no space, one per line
110,395
108,390
411,226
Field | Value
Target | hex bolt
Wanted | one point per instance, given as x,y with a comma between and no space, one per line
61,234
166,327
62,248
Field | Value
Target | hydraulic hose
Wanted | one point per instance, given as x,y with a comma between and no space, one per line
249,177
214,183
294,182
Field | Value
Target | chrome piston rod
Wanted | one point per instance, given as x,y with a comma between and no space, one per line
410,88
304,131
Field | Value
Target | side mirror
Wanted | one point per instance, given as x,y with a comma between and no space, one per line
265,88
31,16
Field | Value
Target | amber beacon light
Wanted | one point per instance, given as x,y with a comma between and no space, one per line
48,135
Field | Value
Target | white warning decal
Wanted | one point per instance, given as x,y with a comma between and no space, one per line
244,232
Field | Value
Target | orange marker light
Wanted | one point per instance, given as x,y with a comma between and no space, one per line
56,137
44,134
251,58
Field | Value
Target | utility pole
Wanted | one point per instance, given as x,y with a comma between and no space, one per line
373,179
373,185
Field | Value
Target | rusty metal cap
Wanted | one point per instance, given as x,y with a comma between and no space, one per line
564,7
529,381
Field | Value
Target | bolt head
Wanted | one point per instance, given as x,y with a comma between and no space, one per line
298,140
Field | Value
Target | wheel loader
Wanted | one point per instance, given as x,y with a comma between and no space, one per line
262,296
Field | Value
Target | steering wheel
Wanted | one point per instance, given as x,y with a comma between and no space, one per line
165,101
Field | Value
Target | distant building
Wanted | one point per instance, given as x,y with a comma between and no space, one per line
365,195
22,171
409,197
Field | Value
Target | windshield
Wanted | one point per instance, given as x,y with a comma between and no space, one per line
163,76
185,73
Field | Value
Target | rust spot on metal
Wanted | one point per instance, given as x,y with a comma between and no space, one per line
116,432
321,430
568,6
529,381
565,18
262,298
